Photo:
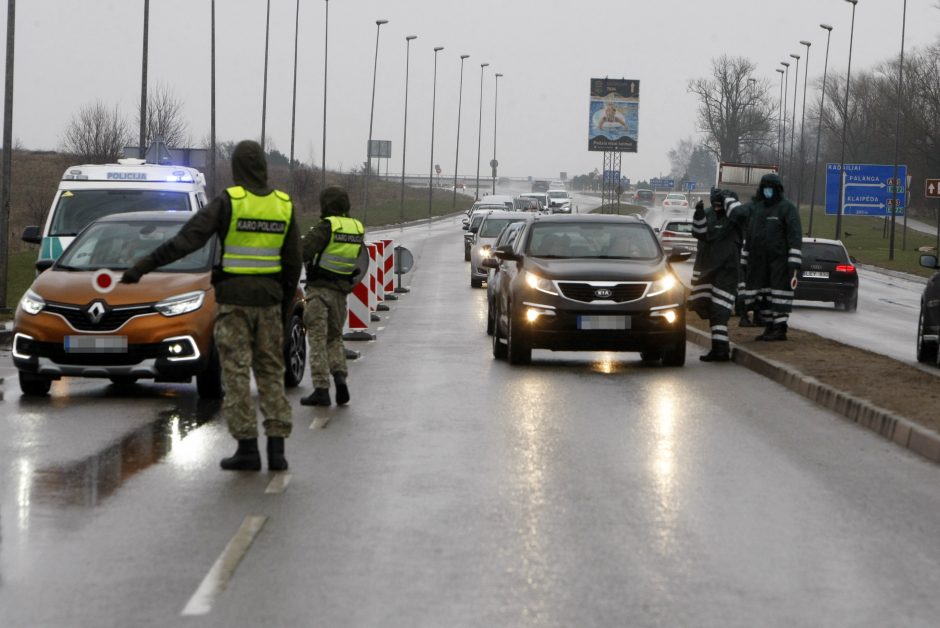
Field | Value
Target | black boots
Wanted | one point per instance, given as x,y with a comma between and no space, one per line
720,352
276,459
319,397
746,321
342,390
774,332
246,458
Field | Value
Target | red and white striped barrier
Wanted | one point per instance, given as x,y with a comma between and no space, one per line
389,269
359,306
373,275
380,271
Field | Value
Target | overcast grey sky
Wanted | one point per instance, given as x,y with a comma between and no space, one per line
71,52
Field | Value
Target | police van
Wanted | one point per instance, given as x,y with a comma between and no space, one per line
88,192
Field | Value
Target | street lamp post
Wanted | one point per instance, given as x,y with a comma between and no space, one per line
211,159
264,89
495,103
796,84
845,126
457,151
404,132
375,67
293,108
326,49
897,140
822,102
799,189
780,120
480,129
142,150
437,49
786,90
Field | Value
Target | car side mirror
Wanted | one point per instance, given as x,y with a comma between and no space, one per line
679,255
505,252
490,262
44,264
32,234
474,230
852,259
928,261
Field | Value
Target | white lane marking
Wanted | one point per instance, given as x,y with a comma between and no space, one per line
278,484
221,572
320,422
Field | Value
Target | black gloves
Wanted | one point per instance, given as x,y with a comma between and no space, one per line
700,205
131,275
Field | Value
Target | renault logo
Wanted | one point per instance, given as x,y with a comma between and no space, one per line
96,312
603,293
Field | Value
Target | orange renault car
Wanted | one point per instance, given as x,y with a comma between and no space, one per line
77,320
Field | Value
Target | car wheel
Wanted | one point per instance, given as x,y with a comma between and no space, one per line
926,351
466,253
123,381
518,350
499,349
476,283
209,382
651,355
34,385
675,355
489,319
851,304
295,351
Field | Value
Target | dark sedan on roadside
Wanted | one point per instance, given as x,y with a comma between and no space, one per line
588,283
928,323
828,274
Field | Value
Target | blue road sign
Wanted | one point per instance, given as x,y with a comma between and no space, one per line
690,185
663,184
869,189
612,176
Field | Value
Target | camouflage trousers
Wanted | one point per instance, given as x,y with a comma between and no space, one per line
324,317
250,340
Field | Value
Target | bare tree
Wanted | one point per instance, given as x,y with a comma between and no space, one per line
736,112
97,134
165,118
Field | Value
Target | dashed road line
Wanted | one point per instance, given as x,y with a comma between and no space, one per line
278,484
224,567
320,422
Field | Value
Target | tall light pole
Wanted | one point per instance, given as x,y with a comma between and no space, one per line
799,189
786,88
404,133
211,161
264,90
495,105
822,102
437,49
796,84
293,109
780,121
457,151
897,140
845,126
326,49
143,82
375,67
7,156
480,129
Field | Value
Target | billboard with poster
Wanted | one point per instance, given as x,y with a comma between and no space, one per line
614,115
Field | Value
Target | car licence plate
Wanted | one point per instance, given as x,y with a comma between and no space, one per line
597,321
95,344
815,274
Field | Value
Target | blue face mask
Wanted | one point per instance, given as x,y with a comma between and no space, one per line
768,193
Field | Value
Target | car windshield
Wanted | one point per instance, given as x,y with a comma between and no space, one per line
679,227
675,197
116,245
476,220
593,240
819,252
77,209
493,226
558,194
643,194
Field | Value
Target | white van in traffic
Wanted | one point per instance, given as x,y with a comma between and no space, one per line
88,192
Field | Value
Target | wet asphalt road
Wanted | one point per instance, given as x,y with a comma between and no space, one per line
455,490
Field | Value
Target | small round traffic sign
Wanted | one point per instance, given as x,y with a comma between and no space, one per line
493,163
104,281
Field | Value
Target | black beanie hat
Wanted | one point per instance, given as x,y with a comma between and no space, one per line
334,201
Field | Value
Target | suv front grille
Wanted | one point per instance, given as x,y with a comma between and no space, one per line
78,318
586,292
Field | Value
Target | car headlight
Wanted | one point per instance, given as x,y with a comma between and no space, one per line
664,284
32,303
485,252
182,304
540,283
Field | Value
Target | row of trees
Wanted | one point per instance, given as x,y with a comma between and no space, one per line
738,117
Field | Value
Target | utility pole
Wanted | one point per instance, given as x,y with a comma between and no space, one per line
7,158
142,146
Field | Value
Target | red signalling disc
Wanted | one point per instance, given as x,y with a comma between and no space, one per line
103,281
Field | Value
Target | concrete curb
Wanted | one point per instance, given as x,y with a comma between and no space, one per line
887,424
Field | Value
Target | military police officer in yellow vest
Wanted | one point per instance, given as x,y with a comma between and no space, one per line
260,268
330,251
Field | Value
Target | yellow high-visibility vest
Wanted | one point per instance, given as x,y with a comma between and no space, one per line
346,241
256,232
